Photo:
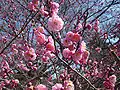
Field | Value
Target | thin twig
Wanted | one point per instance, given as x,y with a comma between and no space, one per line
22,29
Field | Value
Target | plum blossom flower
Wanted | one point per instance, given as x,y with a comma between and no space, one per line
45,59
23,67
82,46
2,84
77,56
57,86
30,88
35,2
112,79
55,23
15,51
31,6
49,54
50,47
50,40
40,29
68,85
30,54
98,49
67,53
110,82
76,37
69,35
67,42
54,7
89,26
43,11
81,55
72,47
4,65
84,58
41,38
41,87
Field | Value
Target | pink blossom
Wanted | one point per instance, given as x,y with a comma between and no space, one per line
50,40
67,53
41,87
82,46
110,82
54,7
2,84
57,86
89,26
68,85
84,58
31,6
97,22
77,56
69,35
7,82
76,37
23,67
49,54
4,64
40,29
45,59
50,47
43,11
30,63
112,79
30,88
108,85
71,47
30,54
96,28
55,23
98,49
35,2
16,81
41,38
15,51
34,68
67,42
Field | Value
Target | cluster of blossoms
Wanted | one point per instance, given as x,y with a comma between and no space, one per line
9,83
68,85
81,54
55,23
109,83
33,5
5,72
72,47
30,54
5,69
46,42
